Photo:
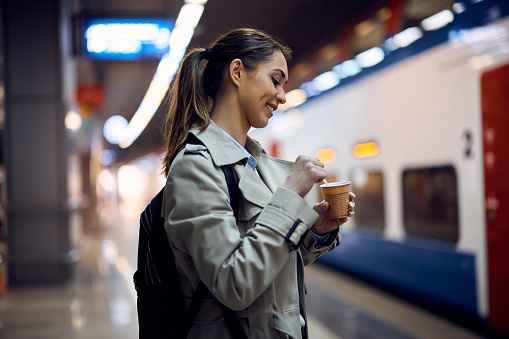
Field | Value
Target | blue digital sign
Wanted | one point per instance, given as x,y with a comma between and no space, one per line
126,38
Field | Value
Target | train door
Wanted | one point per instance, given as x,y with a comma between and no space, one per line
495,120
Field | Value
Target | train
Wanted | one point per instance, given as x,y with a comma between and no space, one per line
422,136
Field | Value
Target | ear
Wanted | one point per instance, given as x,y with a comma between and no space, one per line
236,71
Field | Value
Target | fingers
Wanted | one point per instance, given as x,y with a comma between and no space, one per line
318,162
321,206
320,176
351,206
315,167
351,196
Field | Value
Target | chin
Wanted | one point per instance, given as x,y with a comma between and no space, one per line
261,124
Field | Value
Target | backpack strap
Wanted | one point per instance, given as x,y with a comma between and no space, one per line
198,297
233,189
233,322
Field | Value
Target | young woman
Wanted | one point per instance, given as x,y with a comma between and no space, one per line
253,265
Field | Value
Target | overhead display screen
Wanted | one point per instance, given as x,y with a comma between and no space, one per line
107,38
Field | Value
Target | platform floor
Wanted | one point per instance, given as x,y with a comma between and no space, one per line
99,301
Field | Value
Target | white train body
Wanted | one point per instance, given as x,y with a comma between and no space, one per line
422,111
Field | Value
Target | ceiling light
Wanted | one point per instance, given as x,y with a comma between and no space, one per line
438,20
347,68
189,15
406,37
371,57
326,81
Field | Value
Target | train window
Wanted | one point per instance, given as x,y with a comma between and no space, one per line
369,201
370,32
415,11
430,202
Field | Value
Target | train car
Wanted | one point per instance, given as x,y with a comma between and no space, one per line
422,136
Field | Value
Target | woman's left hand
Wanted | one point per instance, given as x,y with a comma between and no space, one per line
324,224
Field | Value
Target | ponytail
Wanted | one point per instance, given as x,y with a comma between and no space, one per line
188,105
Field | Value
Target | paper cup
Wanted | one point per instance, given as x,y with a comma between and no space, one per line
337,194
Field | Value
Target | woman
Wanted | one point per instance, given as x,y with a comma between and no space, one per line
254,265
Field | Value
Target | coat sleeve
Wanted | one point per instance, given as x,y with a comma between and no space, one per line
200,224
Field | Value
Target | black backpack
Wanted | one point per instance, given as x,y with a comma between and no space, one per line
161,308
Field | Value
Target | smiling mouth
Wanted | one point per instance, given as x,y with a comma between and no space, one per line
271,108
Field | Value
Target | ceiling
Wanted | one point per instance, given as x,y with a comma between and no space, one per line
305,26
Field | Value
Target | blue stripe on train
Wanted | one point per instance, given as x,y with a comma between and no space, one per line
427,270
476,15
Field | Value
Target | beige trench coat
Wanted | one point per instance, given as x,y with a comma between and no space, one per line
255,266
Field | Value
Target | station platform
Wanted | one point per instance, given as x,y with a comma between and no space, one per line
100,302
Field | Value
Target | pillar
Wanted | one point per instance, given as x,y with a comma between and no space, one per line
38,79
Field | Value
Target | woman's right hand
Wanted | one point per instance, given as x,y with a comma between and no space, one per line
306,172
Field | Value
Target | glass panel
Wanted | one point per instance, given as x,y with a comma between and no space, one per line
430,202
370,32
369,200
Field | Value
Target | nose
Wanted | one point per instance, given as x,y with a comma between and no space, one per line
280,96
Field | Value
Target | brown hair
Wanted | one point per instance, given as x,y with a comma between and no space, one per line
191,88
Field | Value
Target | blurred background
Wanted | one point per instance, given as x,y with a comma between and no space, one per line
405,98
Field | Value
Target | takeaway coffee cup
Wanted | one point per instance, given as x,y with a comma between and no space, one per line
337,194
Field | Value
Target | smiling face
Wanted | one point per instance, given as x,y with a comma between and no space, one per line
260,91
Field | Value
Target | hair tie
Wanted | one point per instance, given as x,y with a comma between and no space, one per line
206,54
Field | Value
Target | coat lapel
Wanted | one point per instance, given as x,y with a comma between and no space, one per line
273,170
253,189
256,192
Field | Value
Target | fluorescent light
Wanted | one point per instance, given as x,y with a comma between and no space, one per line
189,15
326,81
371,57
180,37
438,20
148,107
310,89
347,68
458,7
406,37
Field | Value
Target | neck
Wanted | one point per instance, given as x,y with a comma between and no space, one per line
227,115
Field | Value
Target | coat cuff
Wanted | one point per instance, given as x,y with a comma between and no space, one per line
289,215
332,242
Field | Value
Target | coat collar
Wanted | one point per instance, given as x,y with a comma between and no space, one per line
222,150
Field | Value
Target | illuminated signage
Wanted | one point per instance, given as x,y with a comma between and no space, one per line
366,150
326,155
126,38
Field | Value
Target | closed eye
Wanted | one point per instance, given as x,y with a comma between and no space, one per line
276,83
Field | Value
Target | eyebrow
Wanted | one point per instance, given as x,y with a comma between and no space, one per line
282,72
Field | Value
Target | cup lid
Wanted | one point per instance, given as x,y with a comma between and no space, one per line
336,184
